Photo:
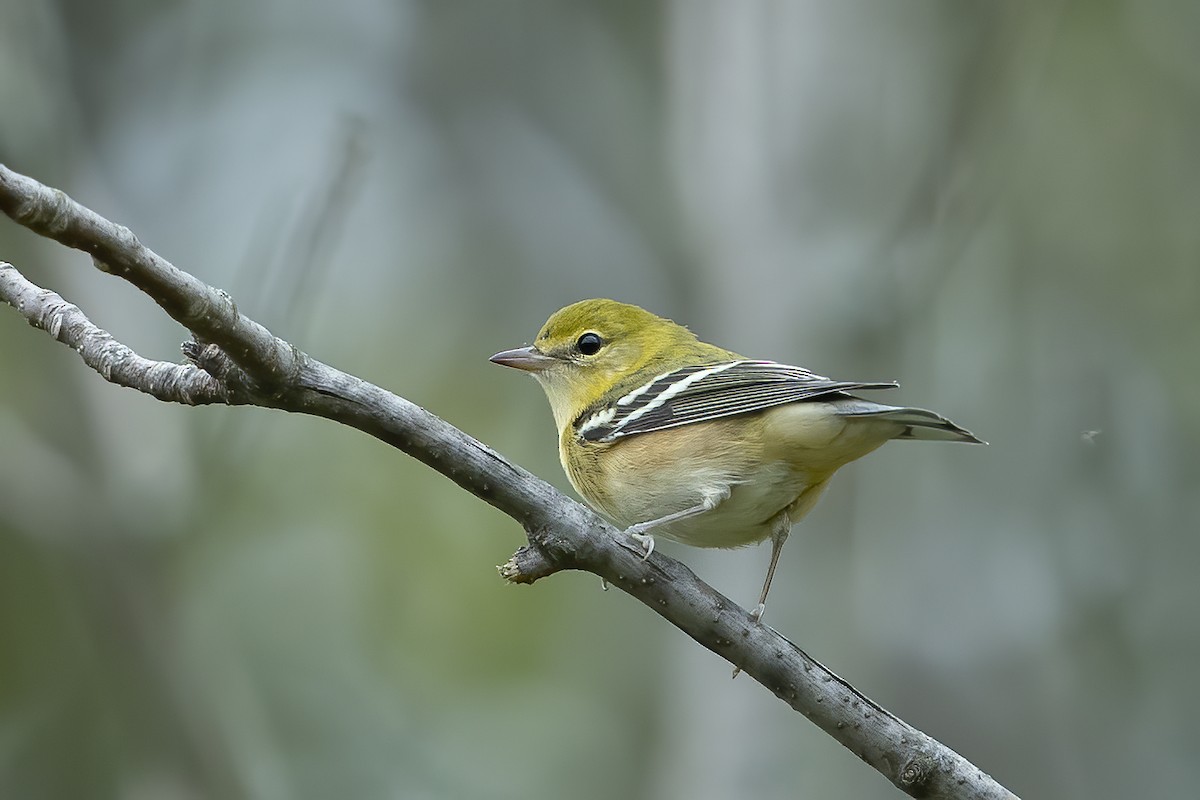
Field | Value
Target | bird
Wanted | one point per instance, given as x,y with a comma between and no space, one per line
667,435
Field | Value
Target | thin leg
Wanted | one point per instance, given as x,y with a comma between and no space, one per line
783,526
638,531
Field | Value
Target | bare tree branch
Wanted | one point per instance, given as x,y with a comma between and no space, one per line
173,383
238,361
208,313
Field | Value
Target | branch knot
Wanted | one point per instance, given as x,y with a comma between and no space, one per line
916,774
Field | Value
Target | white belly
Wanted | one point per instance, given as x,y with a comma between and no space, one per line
747,516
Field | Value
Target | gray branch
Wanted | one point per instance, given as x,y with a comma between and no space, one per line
235,360
174,383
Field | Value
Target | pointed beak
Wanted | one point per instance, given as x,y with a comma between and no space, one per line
524,358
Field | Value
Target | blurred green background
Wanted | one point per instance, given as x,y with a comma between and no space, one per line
997,204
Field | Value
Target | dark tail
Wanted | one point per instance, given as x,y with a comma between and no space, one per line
918,423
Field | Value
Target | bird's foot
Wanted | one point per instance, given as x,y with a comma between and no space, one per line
755,615
644,539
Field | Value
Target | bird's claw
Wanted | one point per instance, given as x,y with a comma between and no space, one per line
645,540
755,615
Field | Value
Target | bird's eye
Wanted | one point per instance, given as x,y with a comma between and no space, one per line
589,343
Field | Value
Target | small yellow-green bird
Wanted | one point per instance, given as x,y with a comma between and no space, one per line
664,433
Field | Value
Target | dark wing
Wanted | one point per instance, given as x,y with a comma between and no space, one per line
706,392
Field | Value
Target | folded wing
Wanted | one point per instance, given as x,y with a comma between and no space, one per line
711,391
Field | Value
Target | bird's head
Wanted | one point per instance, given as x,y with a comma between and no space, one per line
593,348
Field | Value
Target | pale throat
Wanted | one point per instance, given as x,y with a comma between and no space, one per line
563,401
566,399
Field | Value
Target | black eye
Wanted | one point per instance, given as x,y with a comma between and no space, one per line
589,343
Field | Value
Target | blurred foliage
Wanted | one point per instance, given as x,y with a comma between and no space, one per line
994,202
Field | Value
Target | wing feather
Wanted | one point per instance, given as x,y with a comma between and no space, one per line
700,393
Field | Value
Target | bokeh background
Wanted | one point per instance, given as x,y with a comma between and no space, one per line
996,203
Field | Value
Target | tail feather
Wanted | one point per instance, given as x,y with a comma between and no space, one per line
919,423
